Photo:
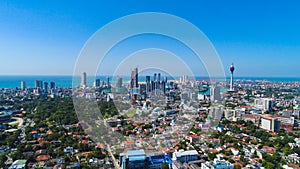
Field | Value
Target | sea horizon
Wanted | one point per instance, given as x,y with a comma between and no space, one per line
65,81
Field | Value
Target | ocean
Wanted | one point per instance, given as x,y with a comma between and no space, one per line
66,81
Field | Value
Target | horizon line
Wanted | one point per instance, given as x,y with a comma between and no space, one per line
240,76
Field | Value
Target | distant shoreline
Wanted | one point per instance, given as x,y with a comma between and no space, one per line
65,81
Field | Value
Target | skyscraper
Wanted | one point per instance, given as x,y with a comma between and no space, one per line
52,85
158,87
46,87
134,86
163,87
158,78
148,84
154,78
134,78
119,82
38,84
23,85
152,85
147,78
83,79
107,81
184,79
97,83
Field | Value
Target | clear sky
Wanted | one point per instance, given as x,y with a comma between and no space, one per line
262,38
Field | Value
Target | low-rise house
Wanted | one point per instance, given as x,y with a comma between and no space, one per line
218,163
43,158
18,164
294,158
69,150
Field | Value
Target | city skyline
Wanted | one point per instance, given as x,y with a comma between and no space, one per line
50,35
150,84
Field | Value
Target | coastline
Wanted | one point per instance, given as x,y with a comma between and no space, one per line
65,81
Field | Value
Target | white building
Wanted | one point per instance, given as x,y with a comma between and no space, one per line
201,97
264,104
185,156
294,158
232,115
83,79
297,111
269,123
183,79
216,112
215,93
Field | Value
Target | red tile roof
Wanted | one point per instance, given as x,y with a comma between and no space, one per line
293,165
43,158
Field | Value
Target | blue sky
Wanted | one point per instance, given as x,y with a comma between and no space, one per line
45,37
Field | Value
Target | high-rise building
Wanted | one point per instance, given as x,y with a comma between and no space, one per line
152,85
183,79
231,77
156,82
148,84
52,85
83,79
166,79
97,83
163,87
38,84
107,81
119,82
147,78
134,78
158,77
23,85
264,104
215,94
270,123
134,86
46,87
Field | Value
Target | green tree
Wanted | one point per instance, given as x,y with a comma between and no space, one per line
165,166
3,159
211,156
231,160
242,158
237,167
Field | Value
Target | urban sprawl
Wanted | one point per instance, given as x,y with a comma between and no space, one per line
160,123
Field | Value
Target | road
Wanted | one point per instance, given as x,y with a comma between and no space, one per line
113,157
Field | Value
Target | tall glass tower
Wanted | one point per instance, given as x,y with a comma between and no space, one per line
83,79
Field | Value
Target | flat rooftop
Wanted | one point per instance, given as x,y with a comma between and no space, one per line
18,164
